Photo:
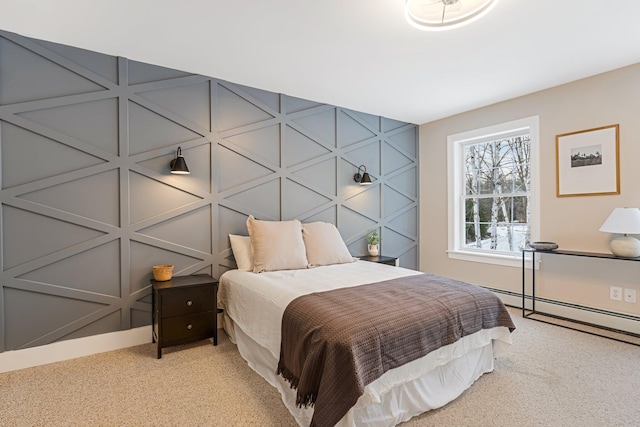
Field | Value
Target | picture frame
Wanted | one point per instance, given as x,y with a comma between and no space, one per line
588,162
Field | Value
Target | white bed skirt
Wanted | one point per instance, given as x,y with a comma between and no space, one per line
400,394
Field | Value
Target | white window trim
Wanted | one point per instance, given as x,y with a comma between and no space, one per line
456,187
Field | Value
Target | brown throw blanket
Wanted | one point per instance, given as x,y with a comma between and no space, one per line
334,343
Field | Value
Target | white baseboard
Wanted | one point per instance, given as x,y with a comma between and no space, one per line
575,313
71,349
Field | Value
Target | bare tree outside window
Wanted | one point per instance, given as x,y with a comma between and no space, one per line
497,212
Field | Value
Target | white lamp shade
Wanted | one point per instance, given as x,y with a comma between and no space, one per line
623,221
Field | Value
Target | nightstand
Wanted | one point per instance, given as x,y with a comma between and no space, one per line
381,259
184,310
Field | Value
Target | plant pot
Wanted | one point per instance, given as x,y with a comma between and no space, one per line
373,249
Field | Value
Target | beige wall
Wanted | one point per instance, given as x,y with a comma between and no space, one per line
572,222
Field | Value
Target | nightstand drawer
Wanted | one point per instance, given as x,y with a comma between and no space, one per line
186,327
184,310
181,301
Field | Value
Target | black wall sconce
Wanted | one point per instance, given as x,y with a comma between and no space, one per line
178,165
363,179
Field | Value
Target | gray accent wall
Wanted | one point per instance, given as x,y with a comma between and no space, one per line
88,205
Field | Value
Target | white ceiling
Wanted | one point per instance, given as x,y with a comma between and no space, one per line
358,54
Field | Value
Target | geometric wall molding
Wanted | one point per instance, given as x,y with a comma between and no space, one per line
101,263
19,144
63,196
88,206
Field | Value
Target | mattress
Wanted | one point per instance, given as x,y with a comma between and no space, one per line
254,305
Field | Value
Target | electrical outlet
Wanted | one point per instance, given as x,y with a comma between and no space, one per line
630,295
615,293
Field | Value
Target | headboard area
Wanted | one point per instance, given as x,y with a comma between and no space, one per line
85,219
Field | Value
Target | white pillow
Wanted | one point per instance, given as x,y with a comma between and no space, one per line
276,245
324,244
241,247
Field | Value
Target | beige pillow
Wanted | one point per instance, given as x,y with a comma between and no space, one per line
324,244
276,245
241,248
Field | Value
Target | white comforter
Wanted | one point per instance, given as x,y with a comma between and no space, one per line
243,294
254,305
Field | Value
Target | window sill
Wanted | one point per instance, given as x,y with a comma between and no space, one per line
496,259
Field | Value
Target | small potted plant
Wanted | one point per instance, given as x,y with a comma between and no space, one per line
374,243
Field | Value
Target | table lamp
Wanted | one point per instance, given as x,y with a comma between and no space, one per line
624,221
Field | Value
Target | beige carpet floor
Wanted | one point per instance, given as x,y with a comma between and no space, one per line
552,377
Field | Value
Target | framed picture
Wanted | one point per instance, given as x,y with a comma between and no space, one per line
588,162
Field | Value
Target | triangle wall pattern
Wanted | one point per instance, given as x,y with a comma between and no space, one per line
322,125
233,111
269,99
28,76
102,263
351,131
263,200
150,130
300,148
269,146
18,165
100,203
102,65
22,233
150,198
143,255
191,230
88,203
139,72
299,200
52,313
230,162
94,122
190,102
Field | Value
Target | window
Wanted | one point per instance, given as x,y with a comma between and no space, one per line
493,192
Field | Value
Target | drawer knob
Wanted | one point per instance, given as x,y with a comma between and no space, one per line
189,326
189,303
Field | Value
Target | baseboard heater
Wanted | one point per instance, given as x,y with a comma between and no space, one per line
614,333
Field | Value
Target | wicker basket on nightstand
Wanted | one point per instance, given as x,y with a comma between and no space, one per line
162,273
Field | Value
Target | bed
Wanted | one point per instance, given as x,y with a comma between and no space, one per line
255,298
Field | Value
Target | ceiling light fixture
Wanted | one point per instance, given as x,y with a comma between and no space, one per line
439,15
